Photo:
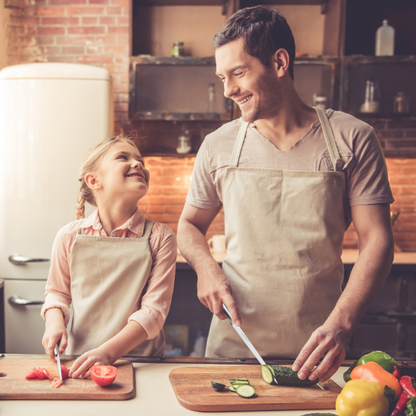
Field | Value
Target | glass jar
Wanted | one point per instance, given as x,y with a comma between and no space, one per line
184,143
401,104
178,49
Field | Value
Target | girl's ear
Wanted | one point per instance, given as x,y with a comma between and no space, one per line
281,62
92,181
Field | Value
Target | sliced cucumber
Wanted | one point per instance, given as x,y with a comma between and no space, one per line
217,386
231,388
239,381
245,391
267,373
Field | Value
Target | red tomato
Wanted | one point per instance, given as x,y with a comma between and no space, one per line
65,372
42,373
103,375
31,374
56,382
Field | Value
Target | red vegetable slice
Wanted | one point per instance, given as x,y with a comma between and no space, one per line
103,375
30,375
38,373
65,371
56,382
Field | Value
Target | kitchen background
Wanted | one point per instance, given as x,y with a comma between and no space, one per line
115,34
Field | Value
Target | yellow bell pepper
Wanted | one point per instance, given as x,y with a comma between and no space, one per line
362,398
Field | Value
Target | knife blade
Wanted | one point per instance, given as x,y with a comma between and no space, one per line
245,339
250,346
58,360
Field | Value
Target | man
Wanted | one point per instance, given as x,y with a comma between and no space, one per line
290,179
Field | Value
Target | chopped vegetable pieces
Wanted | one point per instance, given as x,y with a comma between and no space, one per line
56,382
217,386
245,390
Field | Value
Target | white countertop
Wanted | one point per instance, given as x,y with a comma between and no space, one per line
154,397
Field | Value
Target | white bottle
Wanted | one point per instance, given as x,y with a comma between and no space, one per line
385,40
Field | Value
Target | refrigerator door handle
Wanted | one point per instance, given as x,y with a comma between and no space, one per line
18,301
18,260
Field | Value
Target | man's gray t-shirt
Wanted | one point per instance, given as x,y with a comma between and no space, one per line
364,165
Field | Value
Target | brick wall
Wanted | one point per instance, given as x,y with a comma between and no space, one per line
94,32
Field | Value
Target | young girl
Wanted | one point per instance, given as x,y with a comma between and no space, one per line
116,267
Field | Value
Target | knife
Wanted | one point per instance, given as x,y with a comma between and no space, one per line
58,360
246,341
250,346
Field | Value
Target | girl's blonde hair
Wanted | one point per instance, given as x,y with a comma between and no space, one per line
90,164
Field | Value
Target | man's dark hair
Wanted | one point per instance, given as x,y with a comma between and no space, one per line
264,32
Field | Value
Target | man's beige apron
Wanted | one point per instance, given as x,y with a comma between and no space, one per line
108,276
284,233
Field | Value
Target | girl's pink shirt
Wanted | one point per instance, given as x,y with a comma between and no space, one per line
156,300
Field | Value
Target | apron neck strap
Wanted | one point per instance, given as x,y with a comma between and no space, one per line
238,145
329,139
148,225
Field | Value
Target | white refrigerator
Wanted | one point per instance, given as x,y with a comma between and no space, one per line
50,115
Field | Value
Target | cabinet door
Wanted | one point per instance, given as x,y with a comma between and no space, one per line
186,309
24,326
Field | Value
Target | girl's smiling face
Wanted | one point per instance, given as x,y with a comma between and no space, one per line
121,172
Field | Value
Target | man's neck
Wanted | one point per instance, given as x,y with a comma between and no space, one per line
289,126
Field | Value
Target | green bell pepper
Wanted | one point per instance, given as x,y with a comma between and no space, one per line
380,357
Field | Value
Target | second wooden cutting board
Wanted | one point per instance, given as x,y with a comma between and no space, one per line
192,387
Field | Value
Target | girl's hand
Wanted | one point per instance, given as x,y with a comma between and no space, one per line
55,332
81,366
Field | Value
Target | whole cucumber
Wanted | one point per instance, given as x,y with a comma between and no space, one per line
287,377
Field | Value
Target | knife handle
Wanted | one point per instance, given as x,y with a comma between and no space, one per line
227,312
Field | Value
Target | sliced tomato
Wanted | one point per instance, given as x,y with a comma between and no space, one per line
65,371
41,373
56,382
103,375
30,375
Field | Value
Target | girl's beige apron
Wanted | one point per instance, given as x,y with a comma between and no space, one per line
284,233
108,276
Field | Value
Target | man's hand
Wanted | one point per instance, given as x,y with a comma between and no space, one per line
326,343
373,226
213,291
213,287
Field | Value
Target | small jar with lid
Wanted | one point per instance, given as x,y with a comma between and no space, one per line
401,104
178,49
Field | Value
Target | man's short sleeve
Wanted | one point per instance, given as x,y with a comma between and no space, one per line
368,182
202,192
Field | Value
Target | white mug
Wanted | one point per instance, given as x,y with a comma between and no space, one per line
217,243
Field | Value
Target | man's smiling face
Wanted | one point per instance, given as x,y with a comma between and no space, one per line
254,87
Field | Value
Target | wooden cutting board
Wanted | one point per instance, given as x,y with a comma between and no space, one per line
192,387
14,386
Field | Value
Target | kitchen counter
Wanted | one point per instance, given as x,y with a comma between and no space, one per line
348,257
154,396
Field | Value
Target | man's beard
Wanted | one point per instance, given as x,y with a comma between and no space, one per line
269,104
